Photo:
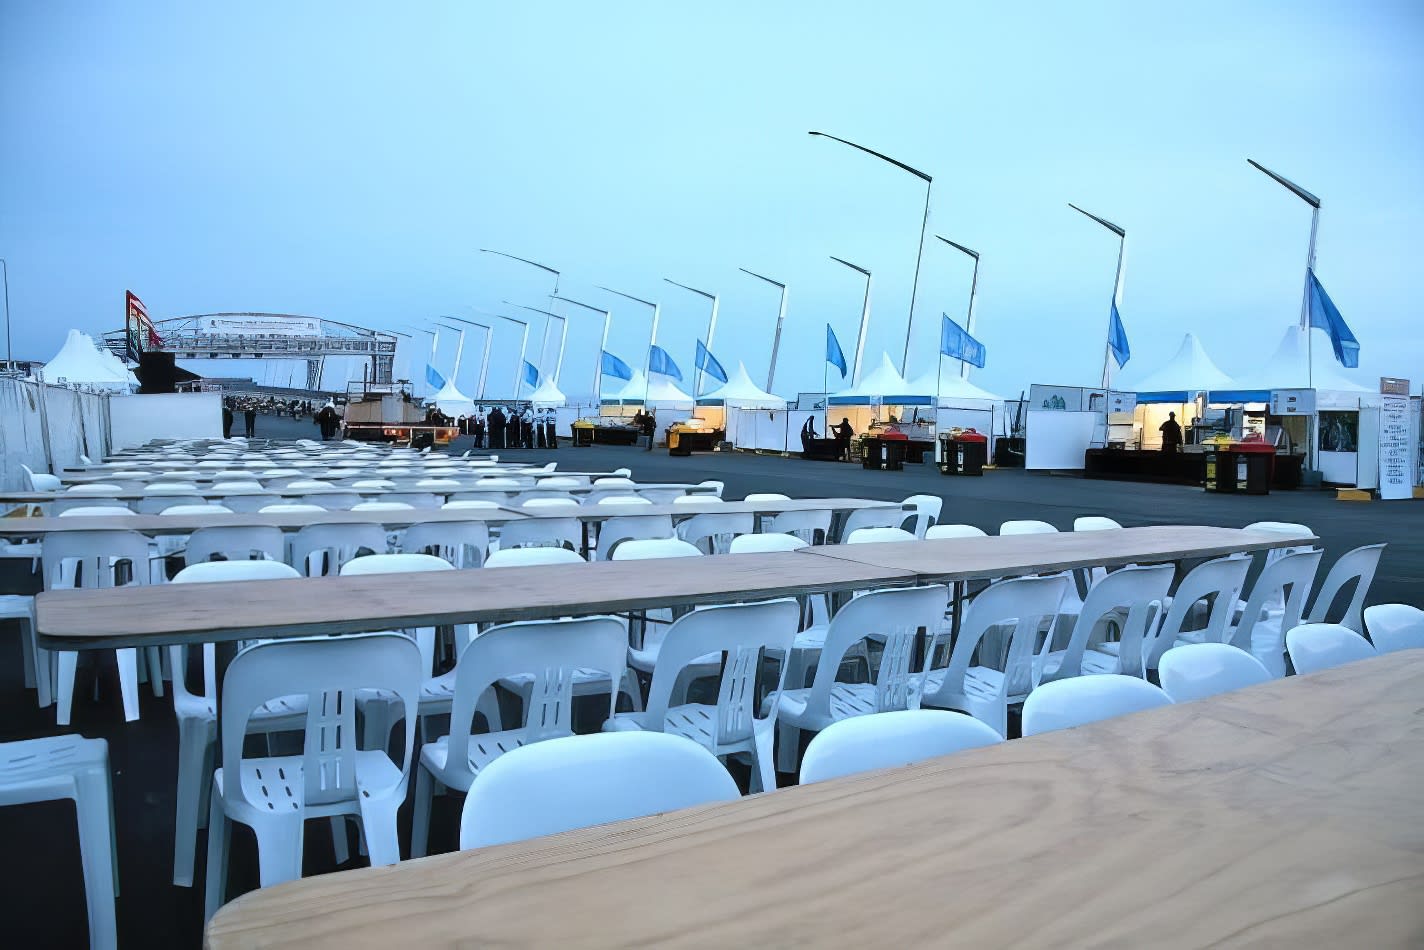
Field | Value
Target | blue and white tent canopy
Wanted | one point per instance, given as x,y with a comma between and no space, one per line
1187,373
882,386
739,392
452,402
547,395
953,389
659,393
1290,366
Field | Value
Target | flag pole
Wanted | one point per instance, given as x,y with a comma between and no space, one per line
825,389
1117,302
1305,299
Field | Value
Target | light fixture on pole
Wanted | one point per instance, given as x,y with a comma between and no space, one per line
924,224
780,319
652,335
598,357
864,320
711,329
524,260
549,315
485,355
1117,282
973,287
459,350
1314,203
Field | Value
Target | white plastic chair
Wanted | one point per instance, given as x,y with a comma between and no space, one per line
559,483
1026,527
893,618
382,506
541,532
927,511
870,518
319,549
765,543
580,781
549,502
289,507
614,481
1095,523
889,740
102,489
333,500
812,526
1359,566
712,533
202,508
97,511
699,501
470,503
531,557
767,496
1219,581
1198,670
91,559
741,634
42,481
197,712
1026,605
238,488
939,532
615,531
465,544
712,483
1284,581
1130,600
155,504
1085,699
1319,646
550,653
878,535
621,498
332,777
1395,627
59,767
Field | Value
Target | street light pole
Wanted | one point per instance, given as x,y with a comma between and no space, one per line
973,287
484,356
544,346
459,351
924,224
9,356
780,319
864,320
652,334
1314,203
523,345
1117,284
598,357
711,329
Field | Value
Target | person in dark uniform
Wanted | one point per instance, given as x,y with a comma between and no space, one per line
541,436
478,428
329,420
227,420
1171,434
249,418
551,435
496,428
808,432
526,427
843,433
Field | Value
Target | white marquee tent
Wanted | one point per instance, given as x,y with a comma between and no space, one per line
881,386
547,395
452,402
80,363
657,392
739,392
1189,371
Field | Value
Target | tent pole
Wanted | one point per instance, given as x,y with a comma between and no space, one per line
776,339
969,319
1305,298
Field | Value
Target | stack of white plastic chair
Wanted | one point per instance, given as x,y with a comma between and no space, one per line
1128,602
1285,581
1357,566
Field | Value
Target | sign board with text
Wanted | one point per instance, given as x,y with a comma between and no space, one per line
1292,402
243,324
1396,454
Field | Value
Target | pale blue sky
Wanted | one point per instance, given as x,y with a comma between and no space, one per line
346,160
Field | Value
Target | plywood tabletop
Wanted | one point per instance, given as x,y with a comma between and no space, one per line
286,520
1286,814
189,613
954,559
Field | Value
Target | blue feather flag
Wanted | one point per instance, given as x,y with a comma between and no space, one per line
956,343
1325,315
708,363
660,362
613,366
433,378
531,374
834,356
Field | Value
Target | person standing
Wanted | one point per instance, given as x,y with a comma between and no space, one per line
329,421
496,428
249,418
478,428
808,432
227,419
843,433
1171,434
526,427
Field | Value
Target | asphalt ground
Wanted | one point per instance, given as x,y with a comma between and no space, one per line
41,901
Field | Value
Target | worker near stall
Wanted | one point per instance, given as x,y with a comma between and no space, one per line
808,432
1171,434
249,419
843,433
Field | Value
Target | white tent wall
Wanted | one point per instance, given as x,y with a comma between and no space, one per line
76,425
664,417
135,420
771,430
1058,438
985,421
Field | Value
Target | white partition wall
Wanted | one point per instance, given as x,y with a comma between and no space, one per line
134,420
1057,439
